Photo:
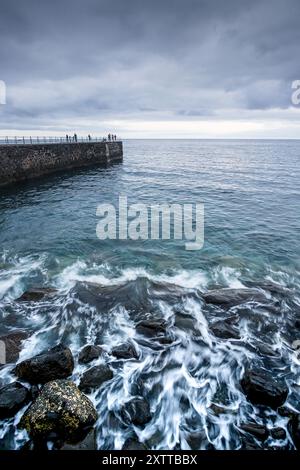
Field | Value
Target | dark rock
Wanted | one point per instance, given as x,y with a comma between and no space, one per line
230,297
88,443
294,430
219,409
36,294
95,377
125,351
278,433
151,328
257,430
132,443
266,350
60,410
297,324
136,411
34,392
286,412
13,344
12,398
261,388
55,363
225,330
89,353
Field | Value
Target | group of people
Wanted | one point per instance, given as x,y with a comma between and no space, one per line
73,138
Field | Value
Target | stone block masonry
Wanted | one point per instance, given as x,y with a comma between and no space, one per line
23,162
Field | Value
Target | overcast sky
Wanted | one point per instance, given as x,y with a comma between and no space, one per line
155,68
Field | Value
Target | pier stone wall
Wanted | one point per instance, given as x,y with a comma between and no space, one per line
23,162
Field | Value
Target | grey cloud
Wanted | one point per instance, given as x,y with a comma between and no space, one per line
117,59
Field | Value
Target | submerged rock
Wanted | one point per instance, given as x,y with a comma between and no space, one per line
261,388
60,410
55,363
36,294
12,398
294,430
95,377
88,443
151,327
89,353
257,430
13,344
125,351
132,443
225,330
278,433
136,411
229,297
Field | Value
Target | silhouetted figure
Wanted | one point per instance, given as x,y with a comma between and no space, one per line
109,137
67,138
75,137
89,137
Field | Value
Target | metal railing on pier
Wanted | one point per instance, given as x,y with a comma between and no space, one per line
53,140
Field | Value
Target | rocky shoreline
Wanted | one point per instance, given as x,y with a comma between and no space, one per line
60,415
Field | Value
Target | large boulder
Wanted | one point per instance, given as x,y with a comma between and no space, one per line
95,377
89,353
36,294
262,388
12,398
229,297
13,344
136,411
125,351
60,410
55,363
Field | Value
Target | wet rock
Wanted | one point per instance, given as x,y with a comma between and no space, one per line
89,353
286,412
55,363
136,411
294,430
95,377
220,410
257,430
261,388
88,443
266,350
13,344
278,433
184,322
125,351
151,328
34,392
229,297
132,443
60,410
36,294
12,398
225,330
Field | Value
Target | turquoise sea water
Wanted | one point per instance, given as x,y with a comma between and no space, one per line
251,193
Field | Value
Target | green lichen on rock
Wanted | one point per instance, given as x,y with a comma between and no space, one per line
60,409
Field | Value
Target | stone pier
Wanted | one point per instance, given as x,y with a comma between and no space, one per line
22,162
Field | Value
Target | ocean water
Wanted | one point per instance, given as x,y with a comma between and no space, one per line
251,192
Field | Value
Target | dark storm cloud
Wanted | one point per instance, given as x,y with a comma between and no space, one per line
150,59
